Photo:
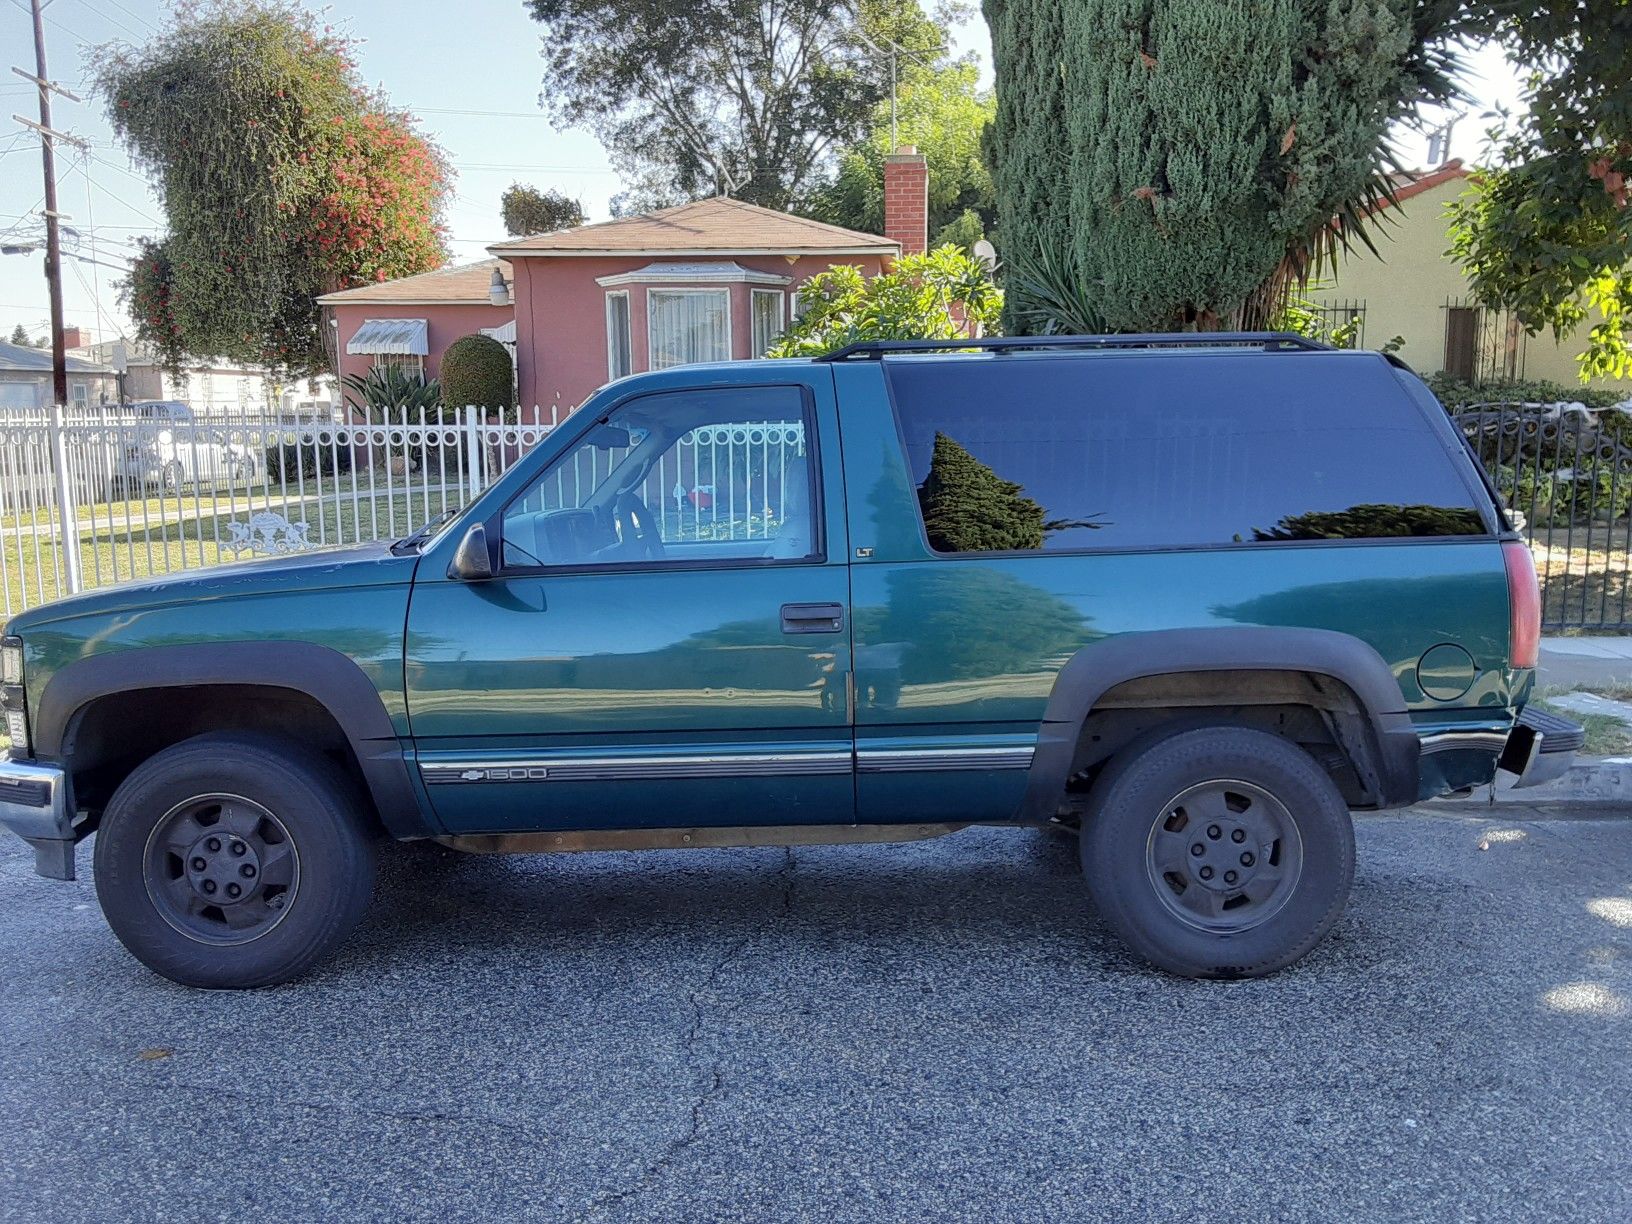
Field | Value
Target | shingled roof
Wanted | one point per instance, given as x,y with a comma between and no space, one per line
717,226
464,285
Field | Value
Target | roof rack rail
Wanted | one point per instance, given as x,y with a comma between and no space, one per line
1273,342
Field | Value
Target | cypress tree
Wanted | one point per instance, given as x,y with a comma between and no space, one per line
1168,154
970,508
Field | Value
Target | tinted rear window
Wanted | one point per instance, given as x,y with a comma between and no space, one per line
1139,451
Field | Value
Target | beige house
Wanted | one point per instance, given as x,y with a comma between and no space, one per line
1414,290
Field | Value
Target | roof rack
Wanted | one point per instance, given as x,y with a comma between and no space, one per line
1270,342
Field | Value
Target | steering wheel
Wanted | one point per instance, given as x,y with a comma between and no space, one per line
636,527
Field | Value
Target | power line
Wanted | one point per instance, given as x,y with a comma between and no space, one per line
127,11
55,22
110,18
510,169
140,212
484,114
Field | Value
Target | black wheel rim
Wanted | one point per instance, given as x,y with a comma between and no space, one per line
1224,856
221,869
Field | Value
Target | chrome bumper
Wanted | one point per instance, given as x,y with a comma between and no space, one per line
34,805
1541,748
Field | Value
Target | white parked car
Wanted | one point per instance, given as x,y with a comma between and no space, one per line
170,450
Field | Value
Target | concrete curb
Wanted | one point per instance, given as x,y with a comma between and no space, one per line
1603,783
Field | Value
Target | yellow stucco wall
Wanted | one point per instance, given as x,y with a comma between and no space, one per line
1405,291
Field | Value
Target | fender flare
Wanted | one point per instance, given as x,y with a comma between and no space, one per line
1394,748
323,674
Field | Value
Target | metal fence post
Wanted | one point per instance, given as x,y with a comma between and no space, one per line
473,447
68,514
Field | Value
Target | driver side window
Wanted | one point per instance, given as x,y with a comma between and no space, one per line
718,475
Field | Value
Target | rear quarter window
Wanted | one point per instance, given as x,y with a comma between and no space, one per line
1050,453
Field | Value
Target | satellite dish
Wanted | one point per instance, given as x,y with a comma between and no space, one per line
986,253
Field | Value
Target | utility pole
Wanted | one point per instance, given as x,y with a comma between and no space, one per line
53,276
53,240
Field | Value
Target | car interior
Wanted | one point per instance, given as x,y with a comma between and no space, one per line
651,504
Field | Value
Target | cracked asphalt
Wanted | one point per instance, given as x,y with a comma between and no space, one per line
937,1031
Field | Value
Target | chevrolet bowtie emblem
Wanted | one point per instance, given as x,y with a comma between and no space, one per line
473,775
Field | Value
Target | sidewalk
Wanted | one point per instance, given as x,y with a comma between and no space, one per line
1595,785
1585,662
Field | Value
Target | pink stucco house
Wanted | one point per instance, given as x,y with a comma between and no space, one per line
707,281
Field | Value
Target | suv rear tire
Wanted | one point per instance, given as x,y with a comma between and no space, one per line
1217,852
234,860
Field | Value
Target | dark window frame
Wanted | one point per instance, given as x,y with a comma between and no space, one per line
1476,487
818,509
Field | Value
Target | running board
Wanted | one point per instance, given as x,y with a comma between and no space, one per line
567,842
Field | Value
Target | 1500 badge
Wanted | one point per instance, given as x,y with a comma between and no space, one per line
505,773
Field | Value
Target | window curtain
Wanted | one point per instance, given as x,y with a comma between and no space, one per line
617,335
767,314
689,325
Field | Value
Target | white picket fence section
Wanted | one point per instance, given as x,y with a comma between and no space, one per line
92,498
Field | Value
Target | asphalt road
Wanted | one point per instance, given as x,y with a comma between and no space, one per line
938,1031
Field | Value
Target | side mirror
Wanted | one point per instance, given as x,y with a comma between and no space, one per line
608,437
471,561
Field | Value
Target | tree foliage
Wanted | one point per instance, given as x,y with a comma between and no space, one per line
281,178
1374,521
477,371
945,617
942,294
19,335
1172,155
1547,233
942,111
747,98
970,508
527,210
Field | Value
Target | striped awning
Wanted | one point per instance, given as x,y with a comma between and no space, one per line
402,337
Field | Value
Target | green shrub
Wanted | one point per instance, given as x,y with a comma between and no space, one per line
936,295
477,372
1455,393
1559,497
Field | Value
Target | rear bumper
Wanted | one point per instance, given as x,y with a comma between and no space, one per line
34,805
1541,747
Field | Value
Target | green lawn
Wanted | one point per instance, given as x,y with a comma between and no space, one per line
29,564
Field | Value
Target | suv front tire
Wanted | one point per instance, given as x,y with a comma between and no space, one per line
1218,852
234,860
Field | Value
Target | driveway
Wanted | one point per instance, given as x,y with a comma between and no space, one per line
924,1032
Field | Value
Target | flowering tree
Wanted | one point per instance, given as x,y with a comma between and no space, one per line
282,178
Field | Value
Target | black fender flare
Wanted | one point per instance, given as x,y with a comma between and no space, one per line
1394,748
325,675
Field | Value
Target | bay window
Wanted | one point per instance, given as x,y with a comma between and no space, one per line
687,325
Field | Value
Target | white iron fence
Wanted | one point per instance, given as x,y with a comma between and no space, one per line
92,498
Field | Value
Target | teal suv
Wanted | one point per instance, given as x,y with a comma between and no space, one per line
1190,600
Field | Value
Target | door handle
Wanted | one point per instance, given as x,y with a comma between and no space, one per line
812,618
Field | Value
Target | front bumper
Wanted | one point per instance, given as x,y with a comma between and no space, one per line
1541,748
34,805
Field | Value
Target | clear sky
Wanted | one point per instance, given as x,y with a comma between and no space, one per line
470,70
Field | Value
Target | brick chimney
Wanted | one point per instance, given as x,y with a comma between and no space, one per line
906,199
73,337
